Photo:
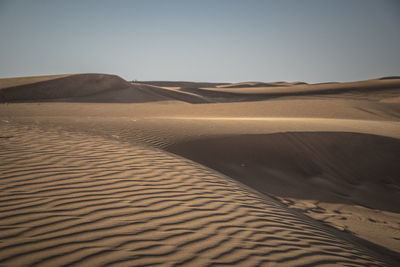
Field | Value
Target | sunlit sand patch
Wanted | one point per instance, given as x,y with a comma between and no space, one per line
385,128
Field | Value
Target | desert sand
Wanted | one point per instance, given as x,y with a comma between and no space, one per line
96,170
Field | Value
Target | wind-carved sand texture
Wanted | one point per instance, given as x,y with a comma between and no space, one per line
77,199
305,176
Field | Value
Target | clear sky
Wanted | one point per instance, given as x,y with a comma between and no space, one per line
203,40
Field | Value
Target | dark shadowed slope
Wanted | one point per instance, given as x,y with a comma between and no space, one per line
326,166
347,180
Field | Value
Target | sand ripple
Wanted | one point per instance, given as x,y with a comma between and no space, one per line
74,199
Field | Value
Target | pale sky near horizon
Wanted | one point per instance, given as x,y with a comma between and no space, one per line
204,40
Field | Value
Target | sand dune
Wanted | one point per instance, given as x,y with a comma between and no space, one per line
259,84
173,94
305,89
102,88
319,168
79,88
62,87
77,199
181,84
302,177
255,91
97,88
17,81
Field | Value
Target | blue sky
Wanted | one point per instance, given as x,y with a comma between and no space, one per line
204,40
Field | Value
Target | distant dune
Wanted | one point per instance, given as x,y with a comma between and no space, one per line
181,84
101,88
277,90
259,84
56,87
255,91
105,88
17,81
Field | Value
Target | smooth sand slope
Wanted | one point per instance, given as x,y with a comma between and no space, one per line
56,87
91,182
18,81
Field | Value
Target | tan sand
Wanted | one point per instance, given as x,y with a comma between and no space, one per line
258,84
17,81
89,183
318,168
300,88
70,198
